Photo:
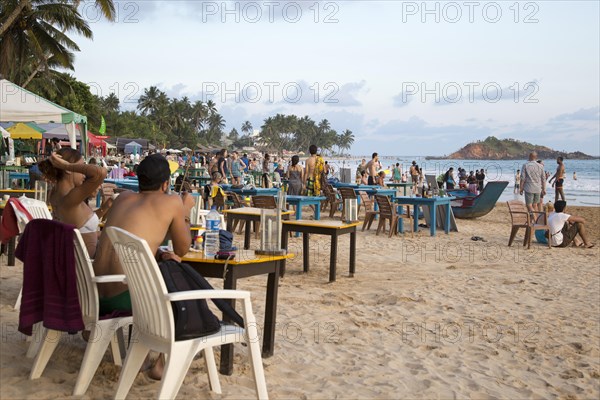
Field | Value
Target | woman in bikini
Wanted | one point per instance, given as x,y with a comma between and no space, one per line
74,182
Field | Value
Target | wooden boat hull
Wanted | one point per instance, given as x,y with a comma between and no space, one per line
466,206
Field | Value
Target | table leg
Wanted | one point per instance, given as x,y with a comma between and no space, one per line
352,253
448,211
298,214
416,217
230,223
432,214
271,312
284,246
226,367
11,251
333,257
318,211
305,250
247,234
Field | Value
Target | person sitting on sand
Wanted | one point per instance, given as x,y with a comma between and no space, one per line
564,228
151,214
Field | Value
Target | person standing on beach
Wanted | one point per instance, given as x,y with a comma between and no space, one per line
313,173
533,182
517,181
265,171
397,173
359,170
372,169
559,180
414,173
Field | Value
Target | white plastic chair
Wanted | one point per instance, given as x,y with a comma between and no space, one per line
102,332
37,209
155,326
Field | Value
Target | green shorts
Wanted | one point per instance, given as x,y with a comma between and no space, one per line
120,302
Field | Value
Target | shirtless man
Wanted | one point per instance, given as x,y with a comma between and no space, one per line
152,215
559,180
372,169
309,172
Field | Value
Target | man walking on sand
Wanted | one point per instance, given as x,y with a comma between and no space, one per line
372,169
559,180
533,182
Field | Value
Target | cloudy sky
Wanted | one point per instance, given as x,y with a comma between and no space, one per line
408,78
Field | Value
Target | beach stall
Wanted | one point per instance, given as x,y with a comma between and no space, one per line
133,148
20,105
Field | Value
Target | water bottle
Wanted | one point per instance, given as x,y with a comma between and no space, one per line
211,237
211,243
213,220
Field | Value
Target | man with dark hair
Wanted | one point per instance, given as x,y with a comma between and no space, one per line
372,169
564,228
313,172
152,215
223,165
559,180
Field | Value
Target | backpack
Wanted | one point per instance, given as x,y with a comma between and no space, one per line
193,318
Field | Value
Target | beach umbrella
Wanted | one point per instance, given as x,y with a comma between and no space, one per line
24,131
186,149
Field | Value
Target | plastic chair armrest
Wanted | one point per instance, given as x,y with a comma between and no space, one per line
109,278
208,294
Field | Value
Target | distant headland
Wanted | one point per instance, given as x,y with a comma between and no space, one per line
493,148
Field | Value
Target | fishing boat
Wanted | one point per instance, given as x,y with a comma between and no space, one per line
468,206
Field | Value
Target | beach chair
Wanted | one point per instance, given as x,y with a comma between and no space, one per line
332,200
155,325
37,209
108,190
365,201
237,202
387,212
102,331
522,218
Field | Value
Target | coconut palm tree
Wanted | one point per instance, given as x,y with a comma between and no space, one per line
35,41
15,8
247,127
148,102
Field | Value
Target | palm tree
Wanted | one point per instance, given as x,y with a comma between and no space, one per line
147,103
35,41
17,7
247,127
347,139
199,114
111,103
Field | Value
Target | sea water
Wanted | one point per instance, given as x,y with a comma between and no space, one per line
583,191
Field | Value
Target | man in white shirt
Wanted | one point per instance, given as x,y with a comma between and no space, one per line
564,228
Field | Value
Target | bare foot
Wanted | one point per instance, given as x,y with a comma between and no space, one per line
157,369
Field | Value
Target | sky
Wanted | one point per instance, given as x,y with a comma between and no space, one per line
407,78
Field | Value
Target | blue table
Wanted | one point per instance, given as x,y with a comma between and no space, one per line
252,192
131,183
301,201
432,202
20,176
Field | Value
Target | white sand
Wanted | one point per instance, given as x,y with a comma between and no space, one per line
424,317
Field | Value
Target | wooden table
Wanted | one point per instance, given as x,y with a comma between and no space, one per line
404,185
247,214
245,264
331,228
18,192
432,202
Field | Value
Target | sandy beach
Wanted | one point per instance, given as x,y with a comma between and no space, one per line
435,318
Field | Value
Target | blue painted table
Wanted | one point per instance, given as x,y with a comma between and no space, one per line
252,192
131,183
432,202
23,177
301,201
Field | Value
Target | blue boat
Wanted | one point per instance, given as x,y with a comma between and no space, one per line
468,206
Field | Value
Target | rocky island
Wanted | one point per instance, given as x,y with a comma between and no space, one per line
493,148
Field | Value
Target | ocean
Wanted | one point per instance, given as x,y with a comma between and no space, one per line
583,191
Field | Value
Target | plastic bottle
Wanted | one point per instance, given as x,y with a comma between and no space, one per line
211,237
213,220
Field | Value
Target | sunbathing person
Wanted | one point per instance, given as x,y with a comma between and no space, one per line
564,228
151,214
75,182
